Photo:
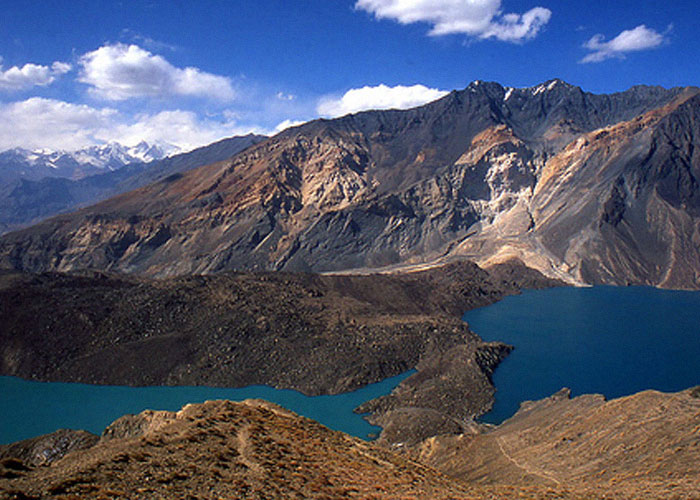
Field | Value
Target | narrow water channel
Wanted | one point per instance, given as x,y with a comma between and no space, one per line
29,409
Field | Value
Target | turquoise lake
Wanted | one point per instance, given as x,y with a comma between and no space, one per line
608,340
613,341
30,409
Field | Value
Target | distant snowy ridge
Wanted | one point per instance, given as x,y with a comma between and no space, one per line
114,155
38,163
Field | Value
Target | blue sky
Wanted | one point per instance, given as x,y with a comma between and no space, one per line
76,73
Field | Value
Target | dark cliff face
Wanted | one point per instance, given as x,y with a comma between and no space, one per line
588,188
673,165
617,205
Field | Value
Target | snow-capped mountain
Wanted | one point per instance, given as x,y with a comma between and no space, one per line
113,155
20,163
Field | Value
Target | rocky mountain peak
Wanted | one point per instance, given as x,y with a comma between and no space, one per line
488,173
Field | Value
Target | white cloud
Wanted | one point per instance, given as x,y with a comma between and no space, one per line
379,97
181,128
518,27
282,96
117,72
31,75
477,18
39,123
639,38
287,124
48,123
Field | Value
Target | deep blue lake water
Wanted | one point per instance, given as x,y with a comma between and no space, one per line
613,341
29,409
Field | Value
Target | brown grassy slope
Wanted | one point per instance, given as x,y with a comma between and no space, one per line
222,449
642,446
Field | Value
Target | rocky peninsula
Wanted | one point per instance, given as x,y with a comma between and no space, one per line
319,334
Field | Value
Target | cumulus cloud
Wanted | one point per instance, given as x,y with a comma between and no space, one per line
184,129
119,71
47,123
378,97
639,38
477,18
39,123
31,75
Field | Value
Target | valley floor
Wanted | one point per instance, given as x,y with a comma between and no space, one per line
300,331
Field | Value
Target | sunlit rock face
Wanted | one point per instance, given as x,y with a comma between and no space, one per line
586,188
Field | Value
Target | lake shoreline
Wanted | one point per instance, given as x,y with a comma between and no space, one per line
465,455
316,334
41,408
577,337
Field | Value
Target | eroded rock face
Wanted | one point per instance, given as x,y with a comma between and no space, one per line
586,188
46,449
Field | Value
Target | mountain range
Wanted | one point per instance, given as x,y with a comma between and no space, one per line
586,188
20,163
385,208
33,189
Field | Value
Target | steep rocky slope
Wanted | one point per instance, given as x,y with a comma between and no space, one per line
44,450
614,206
589,188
